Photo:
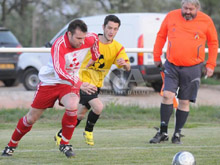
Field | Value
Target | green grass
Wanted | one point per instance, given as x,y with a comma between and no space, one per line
121,137
210,81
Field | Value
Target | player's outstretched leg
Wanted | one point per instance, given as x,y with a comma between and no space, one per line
22,128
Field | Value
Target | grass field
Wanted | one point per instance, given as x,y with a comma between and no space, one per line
121,137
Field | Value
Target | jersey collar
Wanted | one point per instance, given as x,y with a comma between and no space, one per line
66,41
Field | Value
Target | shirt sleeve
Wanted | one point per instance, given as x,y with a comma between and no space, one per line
57,52
95,47
121,54
160,40
212,42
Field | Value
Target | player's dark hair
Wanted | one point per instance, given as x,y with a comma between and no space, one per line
77,24
112,18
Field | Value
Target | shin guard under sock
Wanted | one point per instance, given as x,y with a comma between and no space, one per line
68,125
22,128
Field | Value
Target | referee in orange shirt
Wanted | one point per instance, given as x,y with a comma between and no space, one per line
187,30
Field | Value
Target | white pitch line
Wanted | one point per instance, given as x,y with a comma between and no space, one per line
122,148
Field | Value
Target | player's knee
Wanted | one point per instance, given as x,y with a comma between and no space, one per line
98,109
184,105
70,102
71,106
168,97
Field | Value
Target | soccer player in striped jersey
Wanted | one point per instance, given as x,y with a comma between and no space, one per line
60,81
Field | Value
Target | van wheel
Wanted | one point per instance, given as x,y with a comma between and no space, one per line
157,86
11,82
30,79
119,84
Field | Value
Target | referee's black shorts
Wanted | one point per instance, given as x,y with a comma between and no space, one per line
85,98
184,78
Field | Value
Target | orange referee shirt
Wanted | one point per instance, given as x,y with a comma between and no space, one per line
187,39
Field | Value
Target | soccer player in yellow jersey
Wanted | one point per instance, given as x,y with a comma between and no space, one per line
112,52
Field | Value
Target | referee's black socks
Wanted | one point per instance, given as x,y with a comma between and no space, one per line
165,114
181,117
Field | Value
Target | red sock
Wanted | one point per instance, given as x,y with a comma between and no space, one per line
68,125
22,128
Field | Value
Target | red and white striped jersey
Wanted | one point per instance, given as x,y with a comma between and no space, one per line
65,61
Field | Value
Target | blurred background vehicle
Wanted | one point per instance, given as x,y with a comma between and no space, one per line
8,61
138,30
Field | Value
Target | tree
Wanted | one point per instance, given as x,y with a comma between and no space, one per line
35,22
212,8
8,6
125,6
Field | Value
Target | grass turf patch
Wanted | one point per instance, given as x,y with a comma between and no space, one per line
121,116
121,137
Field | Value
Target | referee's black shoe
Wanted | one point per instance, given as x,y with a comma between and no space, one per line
159,137
176,139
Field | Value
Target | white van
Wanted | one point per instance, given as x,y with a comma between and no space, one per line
138,30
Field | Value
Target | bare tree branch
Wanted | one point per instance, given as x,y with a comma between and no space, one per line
103,5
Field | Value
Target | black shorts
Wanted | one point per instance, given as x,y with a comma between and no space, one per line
85,98
184,79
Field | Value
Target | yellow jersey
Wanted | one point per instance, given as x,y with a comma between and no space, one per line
109,54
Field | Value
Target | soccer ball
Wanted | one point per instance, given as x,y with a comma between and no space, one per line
183,158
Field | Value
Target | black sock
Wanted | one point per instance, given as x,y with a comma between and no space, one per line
165,114
78,121
91,120
181,117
